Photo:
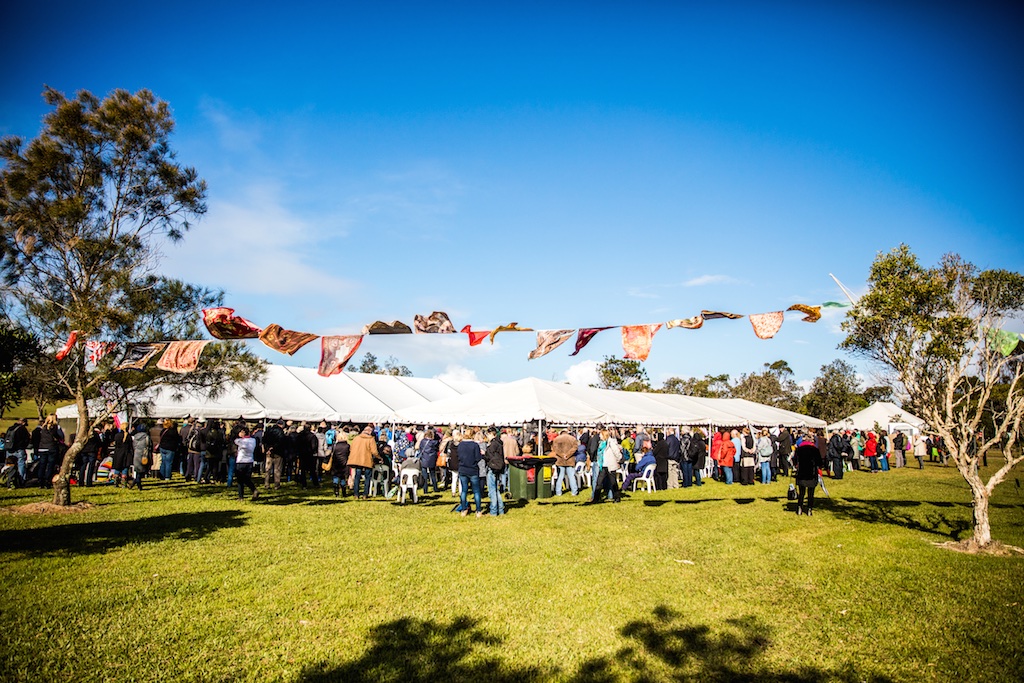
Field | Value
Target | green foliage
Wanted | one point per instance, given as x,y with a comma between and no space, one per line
305,589
622,374
774,386
710,386
391,366
17,347
834,393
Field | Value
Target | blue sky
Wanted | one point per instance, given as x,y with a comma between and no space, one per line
561,165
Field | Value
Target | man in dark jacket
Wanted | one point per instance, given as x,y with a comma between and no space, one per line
275,446
835,455
784,448
17,444
496,465
306,446
674,458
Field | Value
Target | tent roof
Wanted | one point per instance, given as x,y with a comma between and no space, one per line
883,413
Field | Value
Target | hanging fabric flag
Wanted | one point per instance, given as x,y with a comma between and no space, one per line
549,340
95,351
381,327
335,353
137,356
715,315
835,304
511,327
694,323
182,356
1002,341
285,341
584,336
222,323
812,313
636,340
475,338
435,323
68,345
766,325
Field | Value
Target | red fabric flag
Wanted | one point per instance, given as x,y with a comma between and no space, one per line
182,356
70,344
335,353
585,335
475,338
222,323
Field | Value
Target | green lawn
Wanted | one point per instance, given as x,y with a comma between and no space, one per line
717,583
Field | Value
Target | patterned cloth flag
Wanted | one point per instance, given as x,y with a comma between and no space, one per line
549,340
393,327
767,325
137,356
475,338
435,323
715,315
68,345
1002,341
222,323
95,351
182,356
285,341
335,353
812,314
584,336
694,323
636,340
511,327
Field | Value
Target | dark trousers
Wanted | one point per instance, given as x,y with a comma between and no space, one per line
747,476
809,490
243,475
837,468
687,474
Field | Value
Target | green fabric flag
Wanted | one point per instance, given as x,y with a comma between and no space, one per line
1004,342
834,304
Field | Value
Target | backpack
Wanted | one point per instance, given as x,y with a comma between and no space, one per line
193,439
329,437
495,456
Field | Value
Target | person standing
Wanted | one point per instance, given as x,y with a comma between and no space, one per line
748,457
920,450
727,455
674,458
765,448
244,460
275,447
564,449
18,439
871,451
808,460
121,460
495,457
170,441
361,456
835,455
430,449
660,462
469,457
512,450
784,446
142,454
339,465
698,450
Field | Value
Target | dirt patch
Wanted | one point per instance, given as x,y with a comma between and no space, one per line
971,548
46,509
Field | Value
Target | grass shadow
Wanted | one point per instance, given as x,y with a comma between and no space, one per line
904,513
661,647
98,537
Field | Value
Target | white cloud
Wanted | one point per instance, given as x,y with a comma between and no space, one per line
253,246
583,373
457,373
235,132
710,280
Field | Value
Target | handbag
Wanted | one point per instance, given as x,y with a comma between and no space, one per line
145,460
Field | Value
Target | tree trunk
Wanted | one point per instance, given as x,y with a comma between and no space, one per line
62,482
982,528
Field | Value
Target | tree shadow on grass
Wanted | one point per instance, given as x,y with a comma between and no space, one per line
659,648
98,537
909,514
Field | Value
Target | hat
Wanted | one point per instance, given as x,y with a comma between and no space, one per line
201,420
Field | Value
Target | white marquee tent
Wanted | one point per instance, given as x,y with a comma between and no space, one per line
297,393
884,414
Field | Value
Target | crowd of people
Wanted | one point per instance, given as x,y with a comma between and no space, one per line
367,460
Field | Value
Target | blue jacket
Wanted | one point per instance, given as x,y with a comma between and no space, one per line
469,458
645,461
428,452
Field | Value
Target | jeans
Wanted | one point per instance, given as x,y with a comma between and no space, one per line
465,481
193,464
497,504
430,480
874,463
21,456
696,477
361,481
883,460
563,474
766,472
88,471
728,474
231,471
166,463
44,467
688,474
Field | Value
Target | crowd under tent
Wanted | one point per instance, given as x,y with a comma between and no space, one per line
295,393
889,416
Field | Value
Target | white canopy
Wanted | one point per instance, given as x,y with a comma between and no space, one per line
295,393
882,413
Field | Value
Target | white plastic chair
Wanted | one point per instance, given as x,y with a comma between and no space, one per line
408,483
583,474
647,478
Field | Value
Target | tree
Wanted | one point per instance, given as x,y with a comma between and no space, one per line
936,330
83,209
774,386
391,366
834,394
17,347
622,374
711,386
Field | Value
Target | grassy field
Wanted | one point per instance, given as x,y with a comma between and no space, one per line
717,583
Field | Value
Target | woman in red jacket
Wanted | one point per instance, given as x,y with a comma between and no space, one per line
871,451
727,458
